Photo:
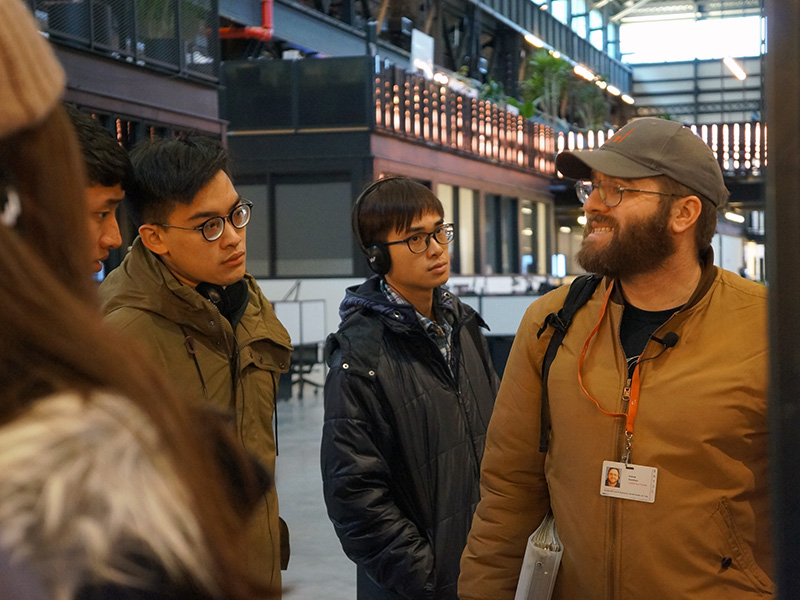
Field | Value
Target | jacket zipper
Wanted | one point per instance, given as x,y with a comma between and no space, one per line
234,361
614,551
452,376
232,352
614,506
456,369
624,452
615,555
438,358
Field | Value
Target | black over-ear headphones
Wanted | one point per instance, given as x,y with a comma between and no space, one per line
215,293
378,256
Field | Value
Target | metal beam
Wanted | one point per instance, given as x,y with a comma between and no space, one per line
310,29
703,108
783,264
666,9
384,8
630,9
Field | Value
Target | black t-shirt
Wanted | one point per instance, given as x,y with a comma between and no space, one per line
637,327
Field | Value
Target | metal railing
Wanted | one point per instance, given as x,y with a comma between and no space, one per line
429,112
425,111
524,16
528,17
176,36
740,148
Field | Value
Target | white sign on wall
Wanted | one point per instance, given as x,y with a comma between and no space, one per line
422,53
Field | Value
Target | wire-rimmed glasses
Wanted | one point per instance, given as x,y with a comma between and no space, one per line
585,187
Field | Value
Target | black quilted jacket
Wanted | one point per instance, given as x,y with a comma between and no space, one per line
402,442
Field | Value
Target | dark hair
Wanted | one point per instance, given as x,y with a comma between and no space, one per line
107,162
171,171
391,204
706,224
53,338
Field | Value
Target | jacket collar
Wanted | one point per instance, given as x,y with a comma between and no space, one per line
707,275
369,295
143,282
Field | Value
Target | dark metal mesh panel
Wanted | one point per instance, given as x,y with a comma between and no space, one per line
258,95
199,38
157,29
174,35
69,21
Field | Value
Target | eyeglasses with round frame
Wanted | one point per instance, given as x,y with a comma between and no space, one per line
419,242
213,228
585,187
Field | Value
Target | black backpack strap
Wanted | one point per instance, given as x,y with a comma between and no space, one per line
579,293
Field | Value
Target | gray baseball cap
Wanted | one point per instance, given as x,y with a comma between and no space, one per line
649,147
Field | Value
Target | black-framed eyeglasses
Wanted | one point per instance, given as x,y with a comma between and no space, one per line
419,242
213,228
585,187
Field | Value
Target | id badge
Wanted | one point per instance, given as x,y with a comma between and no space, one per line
629,482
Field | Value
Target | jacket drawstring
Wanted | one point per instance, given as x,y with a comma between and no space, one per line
188,342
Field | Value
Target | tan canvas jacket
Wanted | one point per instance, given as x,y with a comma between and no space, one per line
702,422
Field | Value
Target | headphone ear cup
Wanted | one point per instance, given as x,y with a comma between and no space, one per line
379,259
215,294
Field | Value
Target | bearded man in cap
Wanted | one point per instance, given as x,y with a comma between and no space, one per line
662,375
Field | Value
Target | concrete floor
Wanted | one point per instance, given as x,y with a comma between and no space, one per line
318,568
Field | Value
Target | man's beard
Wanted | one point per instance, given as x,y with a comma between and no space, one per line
639,247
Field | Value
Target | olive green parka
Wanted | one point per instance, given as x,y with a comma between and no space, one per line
185,332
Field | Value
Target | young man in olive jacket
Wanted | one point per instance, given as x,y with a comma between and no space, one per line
662,375
407,402
108,174
183,291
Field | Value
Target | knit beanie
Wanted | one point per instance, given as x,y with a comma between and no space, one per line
31,79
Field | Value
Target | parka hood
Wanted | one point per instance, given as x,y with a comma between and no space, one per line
358,335
368,296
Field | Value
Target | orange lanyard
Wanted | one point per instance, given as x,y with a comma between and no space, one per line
632,390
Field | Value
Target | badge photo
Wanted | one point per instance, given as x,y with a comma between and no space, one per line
628,482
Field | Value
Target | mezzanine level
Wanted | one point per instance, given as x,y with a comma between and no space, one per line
376,96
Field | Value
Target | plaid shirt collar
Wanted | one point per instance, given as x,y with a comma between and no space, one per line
440,333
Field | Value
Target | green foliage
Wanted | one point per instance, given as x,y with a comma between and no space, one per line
590,107
526,109
552,87
156,18
547,83
493,91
